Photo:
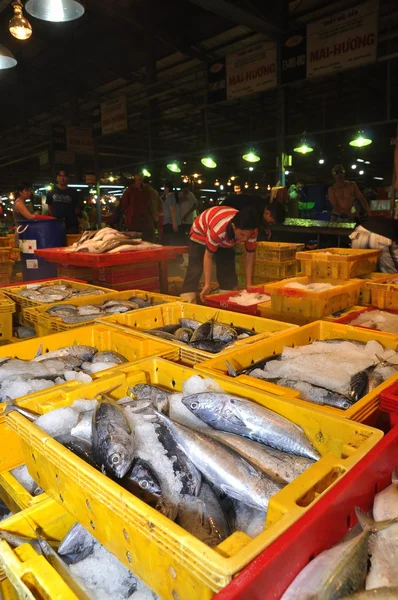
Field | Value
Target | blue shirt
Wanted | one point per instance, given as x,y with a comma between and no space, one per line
170,201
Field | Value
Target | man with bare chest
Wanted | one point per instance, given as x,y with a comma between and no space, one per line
342,196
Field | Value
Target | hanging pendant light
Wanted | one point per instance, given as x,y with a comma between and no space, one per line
209,162
7,59
360,140
146,173
304,147
251,157
173,167
18,26
56,11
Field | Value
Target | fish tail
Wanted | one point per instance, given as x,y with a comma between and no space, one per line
39,351
10,406
231,369
369,524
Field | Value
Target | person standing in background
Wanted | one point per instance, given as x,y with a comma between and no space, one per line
20,210
63,203
342,196
155,203
296,201
188,209
171,218
135,206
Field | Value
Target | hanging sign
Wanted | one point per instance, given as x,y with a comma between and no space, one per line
251,70
80,139
343,41
114,116
293,57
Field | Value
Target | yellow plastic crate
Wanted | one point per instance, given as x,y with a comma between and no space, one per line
365,296
320,330
339,263
167,314
140,537
46,324
14,495
71,238
384,291
134,347
267,312
31,574
274,251
7,308
272,269
7,241
14,291
7,590
313,304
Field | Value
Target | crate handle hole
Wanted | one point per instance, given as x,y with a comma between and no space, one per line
129,558
38,475
92,524
61,498
34,457
88,504
126,535
172,572
175,595
57,478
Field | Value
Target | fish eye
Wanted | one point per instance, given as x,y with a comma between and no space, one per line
116,458
194,405
144,484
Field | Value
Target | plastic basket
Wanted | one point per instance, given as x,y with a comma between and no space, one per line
384,291
170,313
31,574
45,324
134,347
274,251
339,263
140,537
352,315
148,285
320,330
7,308
15,290
266,311
7,590
282,561
223,301
6,241
82,273
272,269
389,403
123,273
14,495
313,304
71,238
365,296
4,255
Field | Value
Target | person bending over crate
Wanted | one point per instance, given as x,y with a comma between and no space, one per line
214,229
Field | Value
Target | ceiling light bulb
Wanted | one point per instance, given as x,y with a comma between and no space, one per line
196,175
233,178
18,26
256,186
246,185
251,168
199,181
56,11
360,141
268,187
287,172
321,161
216,182
174,168
353,166
361,172
145,172
208,162
251,157
229,183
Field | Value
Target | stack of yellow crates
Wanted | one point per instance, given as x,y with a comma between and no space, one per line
273,260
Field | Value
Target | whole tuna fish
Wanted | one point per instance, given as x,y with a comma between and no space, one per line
76,545
83,352
243,417
113,439
339,571
277,465
224,468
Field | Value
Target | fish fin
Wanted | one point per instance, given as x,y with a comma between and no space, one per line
39,351
231,369
369,524
11,405
394,477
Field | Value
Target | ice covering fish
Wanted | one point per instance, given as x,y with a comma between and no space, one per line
206,459
20,377
336,373
344,571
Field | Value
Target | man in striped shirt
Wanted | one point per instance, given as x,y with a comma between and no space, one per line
217,228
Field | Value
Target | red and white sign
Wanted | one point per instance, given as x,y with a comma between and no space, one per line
343,41
251,70
79,139
114,116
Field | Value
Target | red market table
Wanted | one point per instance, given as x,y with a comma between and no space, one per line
85,259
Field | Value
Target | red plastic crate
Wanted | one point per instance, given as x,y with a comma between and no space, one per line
85,259
389,403
271,573
81,273
349,318
222,301
123,273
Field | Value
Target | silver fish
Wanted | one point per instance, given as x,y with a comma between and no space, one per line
224,333
243,417
84,428
89,309
212,346
124,303
158,397
338,571
203,332
12,406
76,545
223,467
113,439
83,352
109,356
203,517
143,477
190,323
141,302
183,334
277,465
317,395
